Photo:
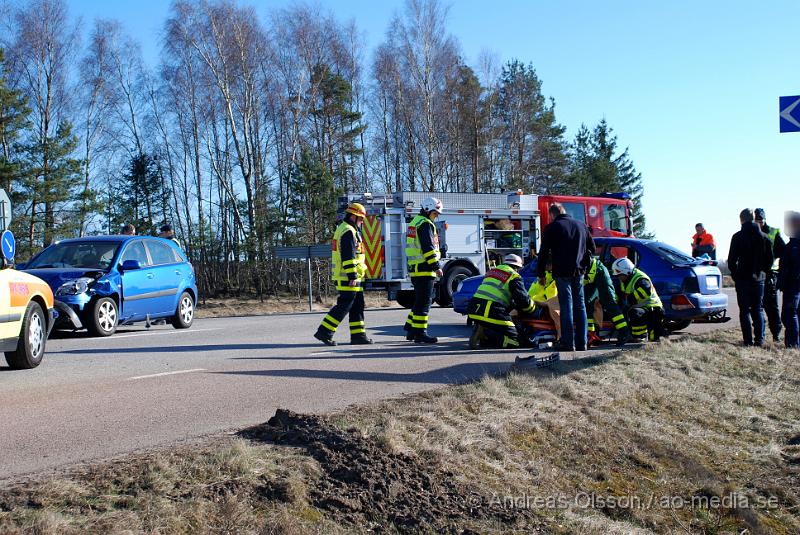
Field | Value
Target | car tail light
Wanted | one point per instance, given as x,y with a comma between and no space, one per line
691,285
681,302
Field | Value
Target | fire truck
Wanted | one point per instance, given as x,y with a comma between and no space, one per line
476,230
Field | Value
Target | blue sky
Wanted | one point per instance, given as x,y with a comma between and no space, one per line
690,87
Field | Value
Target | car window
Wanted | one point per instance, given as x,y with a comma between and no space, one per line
671,254
81,255
622,251
576,210
614,218
135,251
161,253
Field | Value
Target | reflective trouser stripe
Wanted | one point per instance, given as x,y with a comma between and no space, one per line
417,322
619,322
590,325
509,342
330,323
357,327
639,330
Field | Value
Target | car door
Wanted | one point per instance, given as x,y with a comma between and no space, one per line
138,285
168,276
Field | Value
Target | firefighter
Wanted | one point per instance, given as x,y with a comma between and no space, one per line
545,297
422,256
348,266
703,243
598,288
771,280
644,308
490,308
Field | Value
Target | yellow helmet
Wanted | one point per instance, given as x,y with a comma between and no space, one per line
356,209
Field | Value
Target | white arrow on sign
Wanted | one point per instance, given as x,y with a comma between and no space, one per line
786,113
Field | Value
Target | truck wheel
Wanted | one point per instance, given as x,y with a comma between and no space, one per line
450,282
405,298
184,314
103,318
32,340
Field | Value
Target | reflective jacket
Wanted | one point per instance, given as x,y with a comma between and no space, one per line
640,292
703,242
503,285
540,293
778,245
422,247
347,257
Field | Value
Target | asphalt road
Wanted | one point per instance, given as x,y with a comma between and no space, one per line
98,397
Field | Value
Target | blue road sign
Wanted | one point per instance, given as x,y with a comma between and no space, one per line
789,108
9,244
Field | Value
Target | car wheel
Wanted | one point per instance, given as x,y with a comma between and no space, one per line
32,340
676,325
184,314
104,317
450,283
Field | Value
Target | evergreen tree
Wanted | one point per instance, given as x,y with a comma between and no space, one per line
14,113
142,196
313,203
598,168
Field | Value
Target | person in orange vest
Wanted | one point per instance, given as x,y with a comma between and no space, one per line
703,243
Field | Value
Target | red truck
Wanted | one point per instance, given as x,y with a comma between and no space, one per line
610,214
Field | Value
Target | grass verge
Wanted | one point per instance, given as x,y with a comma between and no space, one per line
697,435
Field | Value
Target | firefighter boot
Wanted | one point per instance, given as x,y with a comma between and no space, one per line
422,337
477,336
623,337
360,340
325,336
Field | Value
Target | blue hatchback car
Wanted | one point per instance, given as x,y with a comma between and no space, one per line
101,282
690,288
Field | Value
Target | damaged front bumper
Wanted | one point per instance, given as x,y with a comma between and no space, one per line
66,315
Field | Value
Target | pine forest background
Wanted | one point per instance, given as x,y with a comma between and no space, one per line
248,129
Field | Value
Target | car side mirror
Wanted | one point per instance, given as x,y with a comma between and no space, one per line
130,265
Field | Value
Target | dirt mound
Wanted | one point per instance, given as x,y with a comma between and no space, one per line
361,482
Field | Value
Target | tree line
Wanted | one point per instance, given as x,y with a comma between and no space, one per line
247,130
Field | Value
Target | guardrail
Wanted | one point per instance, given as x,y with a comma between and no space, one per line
305,252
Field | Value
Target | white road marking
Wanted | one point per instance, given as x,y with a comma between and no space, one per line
164,374
157,333
321,353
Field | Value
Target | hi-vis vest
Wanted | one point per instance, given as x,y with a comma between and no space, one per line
495,285
773,234
643,299
357,265
592,273
417,261
540,293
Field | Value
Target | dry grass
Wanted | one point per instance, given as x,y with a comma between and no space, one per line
679,420
233,306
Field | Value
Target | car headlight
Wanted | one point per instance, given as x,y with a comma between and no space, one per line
75,287
460,285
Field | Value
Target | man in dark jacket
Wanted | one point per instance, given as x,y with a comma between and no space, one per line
789,281
771,279
749,260
568,245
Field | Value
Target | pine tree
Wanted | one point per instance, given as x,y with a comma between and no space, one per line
313,203
14,113
142,196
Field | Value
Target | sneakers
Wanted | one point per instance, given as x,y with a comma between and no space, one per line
424,338
476,337
326,339
360,340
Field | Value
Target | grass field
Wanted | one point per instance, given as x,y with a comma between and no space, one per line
697,435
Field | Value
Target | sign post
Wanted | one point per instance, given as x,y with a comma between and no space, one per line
305,252
5,210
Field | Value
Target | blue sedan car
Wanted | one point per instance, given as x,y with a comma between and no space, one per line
101,282
690,288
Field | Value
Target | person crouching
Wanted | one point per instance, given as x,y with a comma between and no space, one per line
502,291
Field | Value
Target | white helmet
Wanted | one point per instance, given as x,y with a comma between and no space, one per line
432,204
513,260
622,266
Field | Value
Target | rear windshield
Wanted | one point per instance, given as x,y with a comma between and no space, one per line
671,254
80,255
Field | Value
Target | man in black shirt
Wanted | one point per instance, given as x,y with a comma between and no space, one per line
568,245
749,260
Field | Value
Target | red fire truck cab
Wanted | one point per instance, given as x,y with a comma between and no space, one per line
609,214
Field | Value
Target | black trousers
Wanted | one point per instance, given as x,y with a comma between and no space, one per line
647,321
417,321
499,330
750,297
771,304
347,303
